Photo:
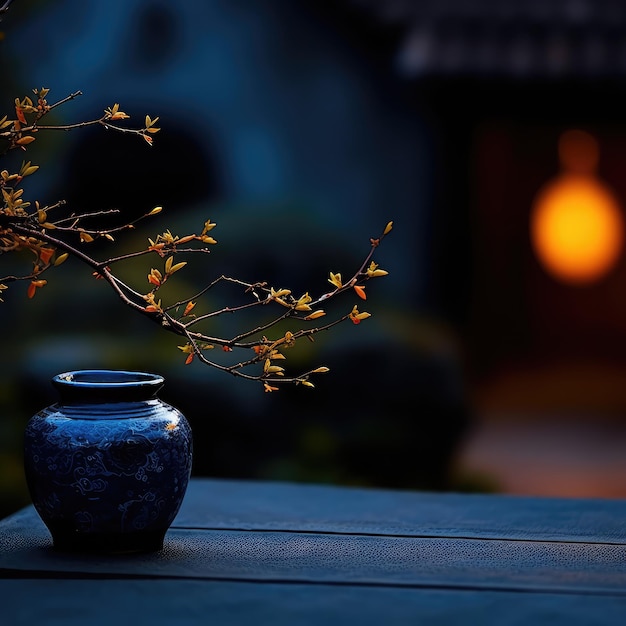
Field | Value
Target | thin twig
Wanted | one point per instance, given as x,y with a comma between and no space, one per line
4,8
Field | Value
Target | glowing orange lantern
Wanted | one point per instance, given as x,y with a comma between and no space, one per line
577,227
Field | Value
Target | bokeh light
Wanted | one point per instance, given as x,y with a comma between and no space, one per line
577,226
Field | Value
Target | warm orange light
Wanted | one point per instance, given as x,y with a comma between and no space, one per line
577,226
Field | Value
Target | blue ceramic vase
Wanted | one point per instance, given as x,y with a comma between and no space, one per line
108,465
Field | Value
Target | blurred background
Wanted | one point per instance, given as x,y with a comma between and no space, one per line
492,132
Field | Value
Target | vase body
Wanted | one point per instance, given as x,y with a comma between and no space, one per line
107,466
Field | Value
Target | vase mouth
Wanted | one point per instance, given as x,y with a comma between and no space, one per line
108,378
100,385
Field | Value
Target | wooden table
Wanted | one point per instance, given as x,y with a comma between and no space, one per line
277,553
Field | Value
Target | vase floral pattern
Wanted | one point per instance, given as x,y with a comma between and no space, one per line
108,475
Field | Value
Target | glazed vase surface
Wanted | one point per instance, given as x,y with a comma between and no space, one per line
107,466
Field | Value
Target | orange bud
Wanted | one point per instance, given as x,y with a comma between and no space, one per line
45,254
34,285
20,114
360,291
24,141
155,277
315,315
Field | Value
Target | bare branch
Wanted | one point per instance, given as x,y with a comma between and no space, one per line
260,345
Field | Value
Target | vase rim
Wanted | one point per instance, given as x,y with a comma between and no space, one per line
107,378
